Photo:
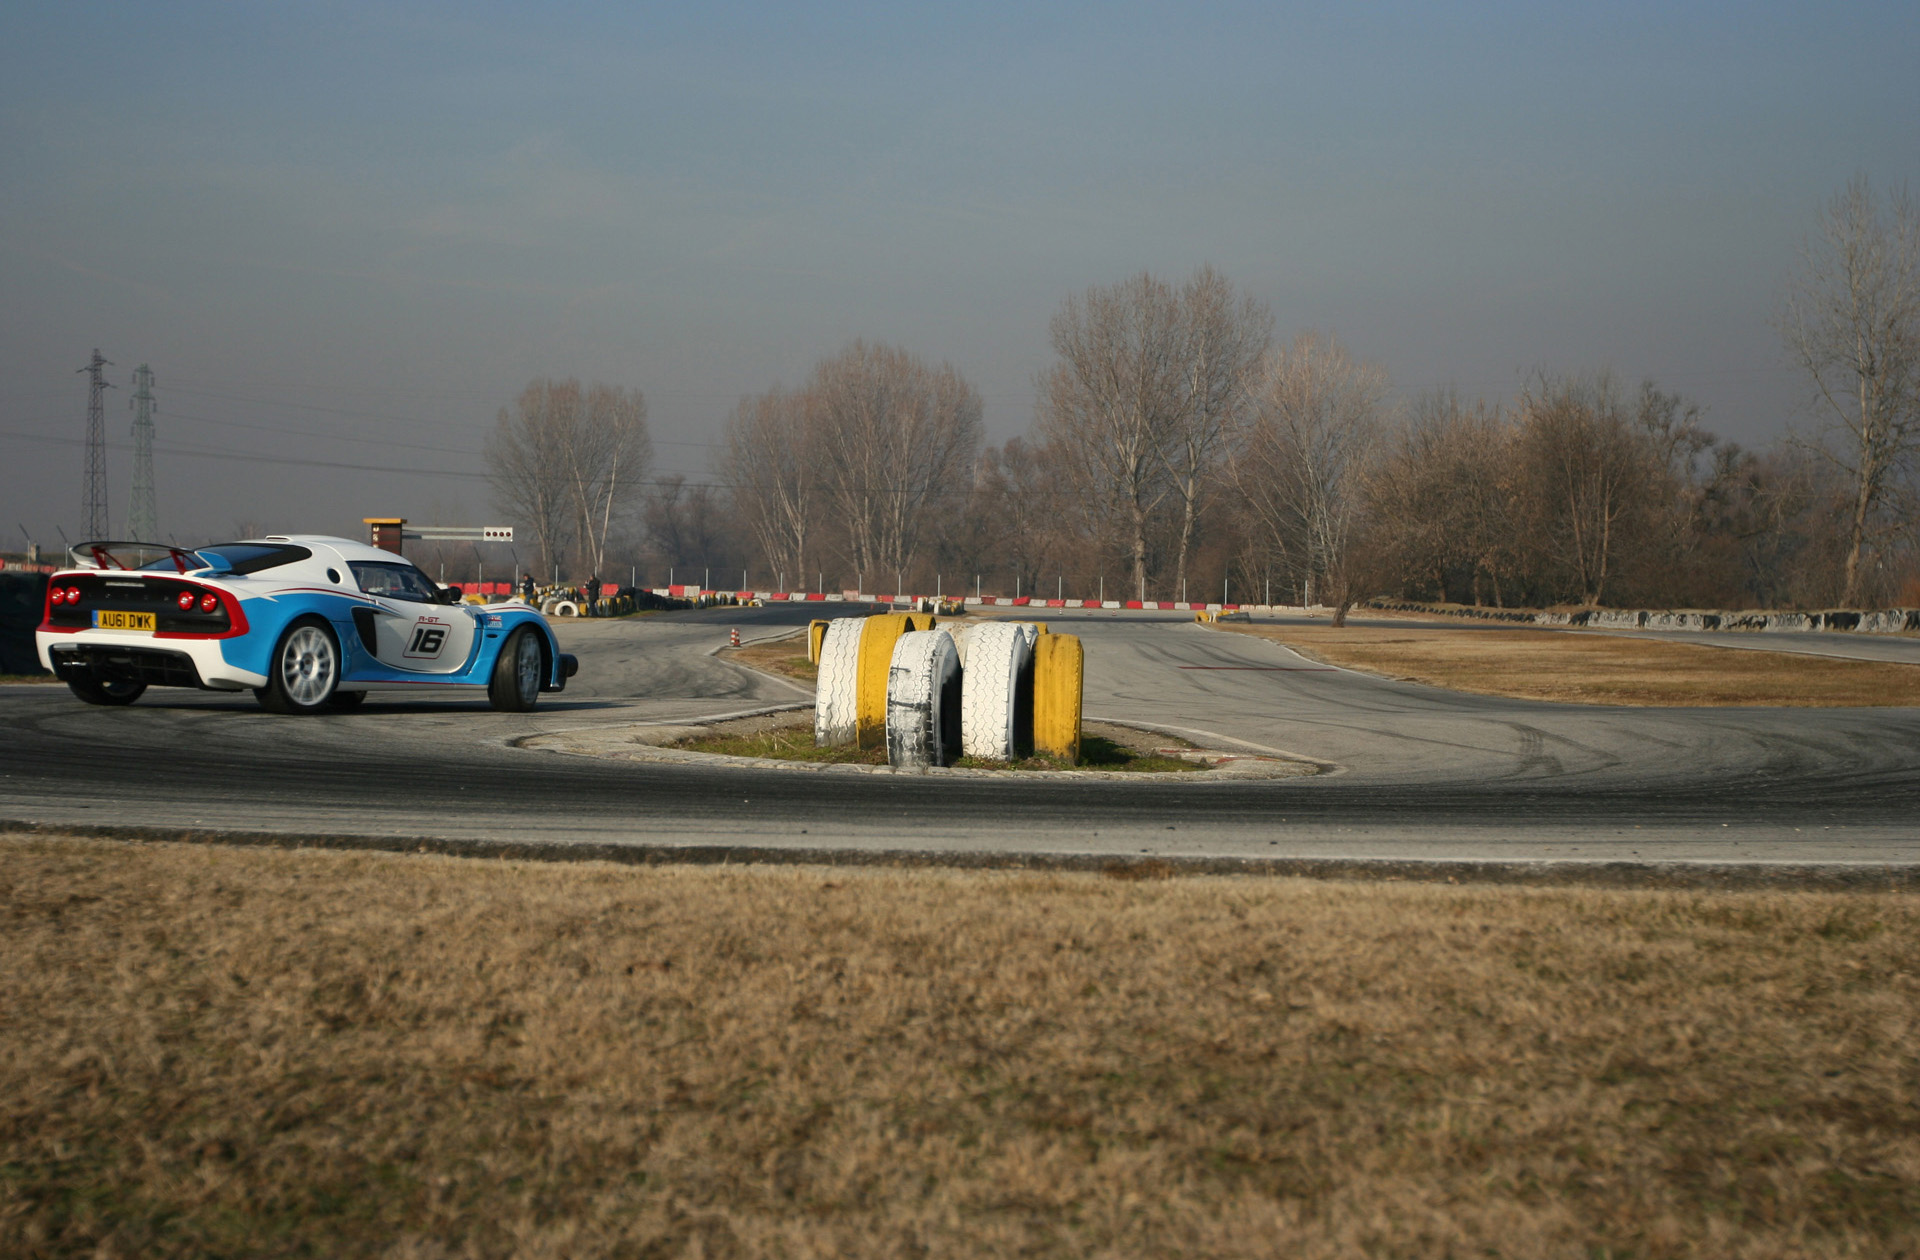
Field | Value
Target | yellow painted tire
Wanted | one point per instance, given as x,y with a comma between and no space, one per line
877,637
1059,672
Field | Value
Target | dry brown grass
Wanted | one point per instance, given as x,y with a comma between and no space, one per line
213,1051
787,657
1580,667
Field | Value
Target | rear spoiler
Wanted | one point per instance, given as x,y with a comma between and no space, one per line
108,554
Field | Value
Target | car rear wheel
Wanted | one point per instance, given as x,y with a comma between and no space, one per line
106,690
304,671
518,673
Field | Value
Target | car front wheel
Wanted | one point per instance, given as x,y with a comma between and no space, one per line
518,673
304,671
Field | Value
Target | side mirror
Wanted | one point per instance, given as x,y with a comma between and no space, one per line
449,594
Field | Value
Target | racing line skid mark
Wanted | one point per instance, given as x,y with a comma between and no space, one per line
1326,767
1270,669
519,741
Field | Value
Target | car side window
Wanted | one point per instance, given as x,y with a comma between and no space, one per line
394,581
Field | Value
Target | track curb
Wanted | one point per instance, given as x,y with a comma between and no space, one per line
1545,873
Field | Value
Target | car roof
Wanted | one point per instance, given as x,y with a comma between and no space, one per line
346,548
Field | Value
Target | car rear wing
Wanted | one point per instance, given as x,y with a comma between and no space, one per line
107,554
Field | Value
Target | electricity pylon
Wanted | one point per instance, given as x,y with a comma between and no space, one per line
95,505
142,522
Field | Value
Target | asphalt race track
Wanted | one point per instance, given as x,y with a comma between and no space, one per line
1415,773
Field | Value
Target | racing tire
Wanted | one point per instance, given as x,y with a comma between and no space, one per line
106,691
518,671
304,670
836,701
348,699
963,641
923,701
999,658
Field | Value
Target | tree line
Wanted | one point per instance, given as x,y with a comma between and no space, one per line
1179,449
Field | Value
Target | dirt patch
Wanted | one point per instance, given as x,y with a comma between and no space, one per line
785,657
1584,667
214,1051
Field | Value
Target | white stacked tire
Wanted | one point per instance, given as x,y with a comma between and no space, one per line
923,700
836,705
999,661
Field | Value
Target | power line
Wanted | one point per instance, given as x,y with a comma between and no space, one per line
291,461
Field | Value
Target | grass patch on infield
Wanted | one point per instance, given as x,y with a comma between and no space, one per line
232,1051
791,743
1582,667
1122,749
786,657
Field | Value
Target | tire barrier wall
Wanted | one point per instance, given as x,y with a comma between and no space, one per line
1059,668
999,676
923,700
1883,621
816,631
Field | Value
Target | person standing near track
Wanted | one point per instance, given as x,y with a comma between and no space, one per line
526,587
592,590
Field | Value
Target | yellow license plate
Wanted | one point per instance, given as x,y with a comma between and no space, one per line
108,619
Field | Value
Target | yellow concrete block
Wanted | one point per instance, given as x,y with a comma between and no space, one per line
1059,673
877,638
816,632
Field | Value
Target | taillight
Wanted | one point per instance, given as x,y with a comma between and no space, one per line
57,595
73,594
209,602
185,601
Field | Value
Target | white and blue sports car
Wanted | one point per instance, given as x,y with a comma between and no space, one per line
308,623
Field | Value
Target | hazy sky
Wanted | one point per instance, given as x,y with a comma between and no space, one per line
344,236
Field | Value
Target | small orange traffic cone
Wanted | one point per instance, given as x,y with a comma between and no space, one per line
733,638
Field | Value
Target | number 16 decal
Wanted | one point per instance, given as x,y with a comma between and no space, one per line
426,641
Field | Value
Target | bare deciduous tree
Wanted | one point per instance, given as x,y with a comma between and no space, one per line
686,527
608,452
1300,466
897,441
1224,337
1441,497
1586,477
771,464
527,466
1852,323
1016,511
1113,400
567,460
